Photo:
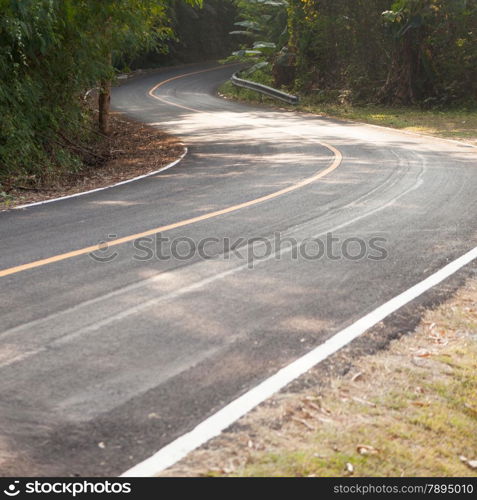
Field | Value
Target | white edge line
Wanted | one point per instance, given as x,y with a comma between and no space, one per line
215,424
134,179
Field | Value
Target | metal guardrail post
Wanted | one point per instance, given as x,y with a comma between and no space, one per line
264,89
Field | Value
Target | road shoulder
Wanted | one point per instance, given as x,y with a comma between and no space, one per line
410,409
132,150
451,124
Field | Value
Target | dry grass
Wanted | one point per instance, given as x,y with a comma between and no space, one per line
407,411
451,124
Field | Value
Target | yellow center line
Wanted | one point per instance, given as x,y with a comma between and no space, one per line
186,222
160,84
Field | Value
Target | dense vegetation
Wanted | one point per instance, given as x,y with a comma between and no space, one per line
390,51
51,52
200,33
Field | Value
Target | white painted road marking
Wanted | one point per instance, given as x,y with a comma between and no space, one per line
134,179
214,425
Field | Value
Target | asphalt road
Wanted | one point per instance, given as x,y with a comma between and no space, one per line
102,363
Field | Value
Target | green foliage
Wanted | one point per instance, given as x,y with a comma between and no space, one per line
51,52
435,51
263,20
30,36
403,51
264,33
202,34
338,43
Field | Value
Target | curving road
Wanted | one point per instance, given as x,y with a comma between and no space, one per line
103,361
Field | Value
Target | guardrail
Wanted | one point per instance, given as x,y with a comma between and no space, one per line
264,89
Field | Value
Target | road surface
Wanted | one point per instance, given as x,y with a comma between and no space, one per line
104,360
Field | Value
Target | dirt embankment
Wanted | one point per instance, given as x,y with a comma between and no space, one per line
131,150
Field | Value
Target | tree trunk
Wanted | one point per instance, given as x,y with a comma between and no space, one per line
399,86
104,105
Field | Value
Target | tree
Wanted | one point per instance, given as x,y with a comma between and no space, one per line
125,26
407,76
51,52
393,51
263,28
428,34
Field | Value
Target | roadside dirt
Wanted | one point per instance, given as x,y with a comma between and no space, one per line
132,149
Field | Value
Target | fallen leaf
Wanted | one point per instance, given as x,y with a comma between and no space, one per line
438,340
364,449
303,422
422,353
307,414
312,405
324,419
363,401
325,411
472,464
471,408
313,398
